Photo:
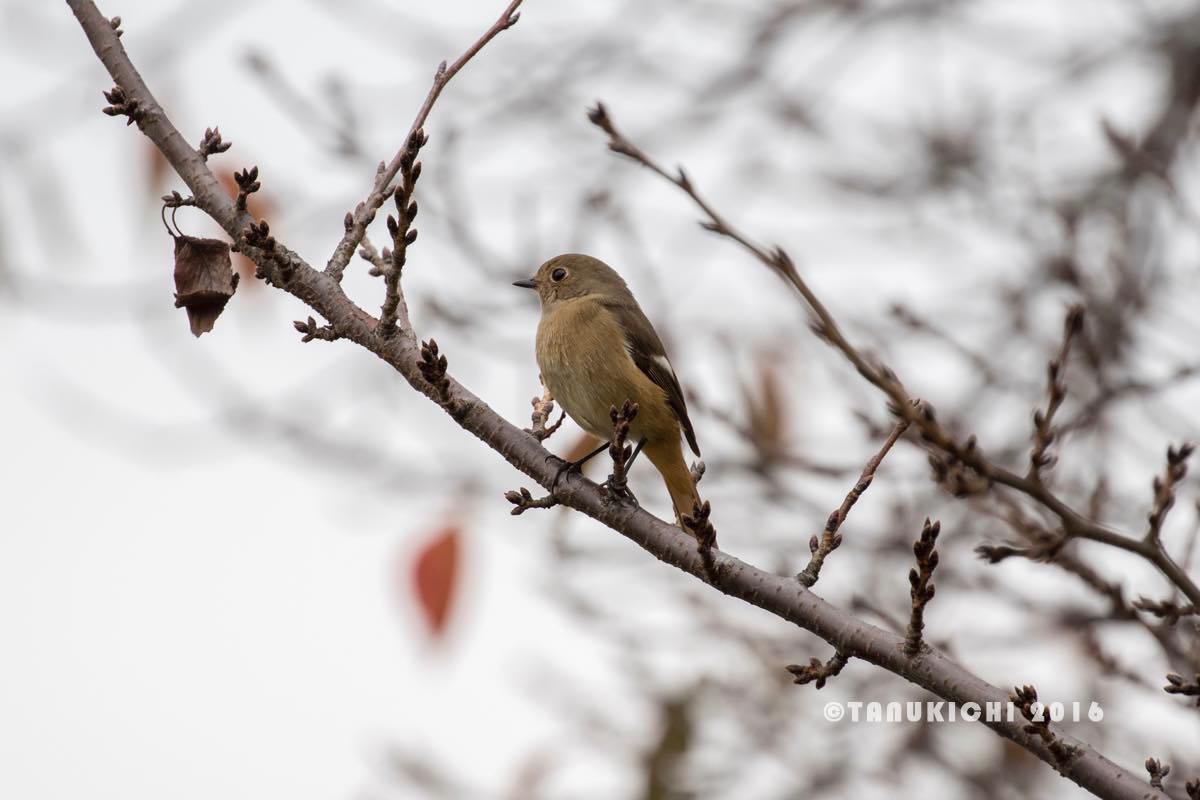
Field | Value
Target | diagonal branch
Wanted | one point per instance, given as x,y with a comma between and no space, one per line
364,214
189,163
921,415
830,539
424,369
401,230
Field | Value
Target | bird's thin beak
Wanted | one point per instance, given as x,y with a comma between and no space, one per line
526,284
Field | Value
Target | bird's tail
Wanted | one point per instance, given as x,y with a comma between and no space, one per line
667,458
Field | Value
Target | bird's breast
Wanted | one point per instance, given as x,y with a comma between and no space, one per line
584,363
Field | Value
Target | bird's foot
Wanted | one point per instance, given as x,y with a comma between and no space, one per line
566,468
617,488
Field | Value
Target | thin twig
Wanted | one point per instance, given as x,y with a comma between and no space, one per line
921,415
921,589
312,330
364,213
1026,698
368,253
523,500
1158,771
543,408
620,452
1164,490
401,230
212,143
830,539
1177,684
817,672
701,528
1165,610
1044,432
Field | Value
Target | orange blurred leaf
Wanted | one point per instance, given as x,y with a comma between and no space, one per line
158,170
767,410
435,577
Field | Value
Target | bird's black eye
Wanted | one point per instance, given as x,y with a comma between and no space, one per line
558,274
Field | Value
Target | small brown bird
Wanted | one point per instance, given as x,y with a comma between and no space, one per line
596,349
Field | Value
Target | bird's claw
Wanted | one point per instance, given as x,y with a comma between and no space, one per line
566,468
618,489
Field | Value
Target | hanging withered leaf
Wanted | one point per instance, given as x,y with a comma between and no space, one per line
204,280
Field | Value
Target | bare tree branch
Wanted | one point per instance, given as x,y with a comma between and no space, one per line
364,213
1044,432
425,370
920,415
830,539
1164,490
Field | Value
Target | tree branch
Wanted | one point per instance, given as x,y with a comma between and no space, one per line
364,213
1044,432
921,415
425,371
830,539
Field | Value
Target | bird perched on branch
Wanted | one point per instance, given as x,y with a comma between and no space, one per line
596,350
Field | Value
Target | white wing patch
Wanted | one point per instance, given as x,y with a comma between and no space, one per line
665,364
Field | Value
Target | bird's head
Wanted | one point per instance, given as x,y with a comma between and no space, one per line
573,275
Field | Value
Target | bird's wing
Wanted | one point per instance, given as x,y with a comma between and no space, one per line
648,353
